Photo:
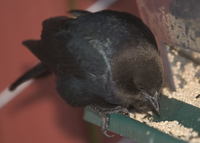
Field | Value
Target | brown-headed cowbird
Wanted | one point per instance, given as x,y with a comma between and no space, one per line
106,59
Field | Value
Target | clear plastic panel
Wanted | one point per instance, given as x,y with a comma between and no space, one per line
175,22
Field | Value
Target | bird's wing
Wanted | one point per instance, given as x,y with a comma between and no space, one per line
52,49
64,49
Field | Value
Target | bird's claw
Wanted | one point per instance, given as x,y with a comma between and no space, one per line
104,131
147,116
105,116
105,124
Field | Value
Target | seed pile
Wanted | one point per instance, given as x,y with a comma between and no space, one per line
186,76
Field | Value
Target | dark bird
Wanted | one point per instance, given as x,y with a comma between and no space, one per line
107,60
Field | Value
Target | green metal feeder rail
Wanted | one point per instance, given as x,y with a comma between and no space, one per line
171,109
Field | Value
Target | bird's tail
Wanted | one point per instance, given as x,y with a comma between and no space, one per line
40,70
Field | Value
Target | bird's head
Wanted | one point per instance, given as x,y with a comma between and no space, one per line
138,78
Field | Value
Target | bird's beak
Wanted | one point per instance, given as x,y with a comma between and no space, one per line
154,101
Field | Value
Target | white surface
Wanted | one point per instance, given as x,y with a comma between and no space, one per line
100,5
6,95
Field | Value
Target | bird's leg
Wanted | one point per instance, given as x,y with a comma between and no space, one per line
105,116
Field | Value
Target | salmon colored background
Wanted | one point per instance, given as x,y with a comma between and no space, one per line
38,114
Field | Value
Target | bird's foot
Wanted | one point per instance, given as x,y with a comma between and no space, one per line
105,116
147,116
